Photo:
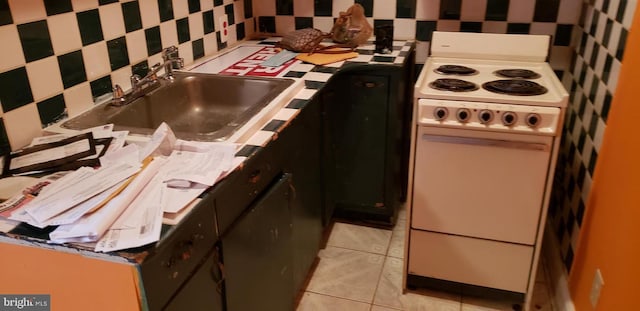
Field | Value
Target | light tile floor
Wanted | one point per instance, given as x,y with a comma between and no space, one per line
361,269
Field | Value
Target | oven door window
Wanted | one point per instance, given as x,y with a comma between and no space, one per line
480,184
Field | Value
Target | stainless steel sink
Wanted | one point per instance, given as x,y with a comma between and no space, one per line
196,106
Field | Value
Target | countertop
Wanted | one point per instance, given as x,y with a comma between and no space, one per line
314,78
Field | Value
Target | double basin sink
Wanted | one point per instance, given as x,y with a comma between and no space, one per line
196,106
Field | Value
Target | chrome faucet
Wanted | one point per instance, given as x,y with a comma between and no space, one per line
142,86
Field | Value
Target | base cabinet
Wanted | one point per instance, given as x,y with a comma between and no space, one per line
204,291
258,254
367,110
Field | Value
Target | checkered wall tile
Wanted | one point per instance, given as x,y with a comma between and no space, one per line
599,41
58,56
417,19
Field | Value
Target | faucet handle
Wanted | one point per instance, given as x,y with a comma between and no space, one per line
135,79
118,95
170,53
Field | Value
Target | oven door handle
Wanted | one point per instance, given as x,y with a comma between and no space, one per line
486,142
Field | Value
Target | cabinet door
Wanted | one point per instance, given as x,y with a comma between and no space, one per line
203,291
358,114
257,253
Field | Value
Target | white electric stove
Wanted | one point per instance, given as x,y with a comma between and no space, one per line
488,116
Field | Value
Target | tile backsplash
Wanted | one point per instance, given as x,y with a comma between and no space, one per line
417,19
59,55
599,44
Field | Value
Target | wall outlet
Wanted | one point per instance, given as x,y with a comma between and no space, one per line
223,24
596,286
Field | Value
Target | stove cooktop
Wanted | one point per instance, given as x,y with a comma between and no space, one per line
491,81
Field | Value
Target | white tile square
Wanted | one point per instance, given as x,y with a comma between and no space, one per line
614,75
343,6
238,11
22,125
112,21
286,114
317,76
169,33
149,13
44,78
264,8
380,308
427,10
64,32
285,24
233,35
324,23
627,20
602,24
260,138
448,25
180,8
614,38
389,292
483,304
543,29
136,46
473,11
196,26
96,60
122,77
83,5
396,244
569,11
186,53
521,11
346,273
404,29
300,7
384,10
248,27
422,51
78,99
11,52
206,5
494,27
360,238
597,140
26,11
210,44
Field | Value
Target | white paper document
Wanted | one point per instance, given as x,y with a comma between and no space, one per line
92,226
140,224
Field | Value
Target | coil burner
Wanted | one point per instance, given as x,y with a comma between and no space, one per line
453,85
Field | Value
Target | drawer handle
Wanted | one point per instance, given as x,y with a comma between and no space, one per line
254,177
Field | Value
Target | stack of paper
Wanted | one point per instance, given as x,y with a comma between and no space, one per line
121,204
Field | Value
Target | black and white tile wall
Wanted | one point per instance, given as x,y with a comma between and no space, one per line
417,19
599,41
57,56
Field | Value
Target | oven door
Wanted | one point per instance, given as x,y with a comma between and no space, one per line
480,184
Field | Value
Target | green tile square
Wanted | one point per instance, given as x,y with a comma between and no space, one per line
207,22
182,26
101,86
72,69
194,6
132,17
90,27
35,40
118,55
154,42
52,110
54,7
166,10
15,90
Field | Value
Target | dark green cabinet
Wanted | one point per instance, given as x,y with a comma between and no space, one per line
258,254
366,116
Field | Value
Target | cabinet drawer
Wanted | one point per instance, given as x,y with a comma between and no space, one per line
472,261
235,193
179,253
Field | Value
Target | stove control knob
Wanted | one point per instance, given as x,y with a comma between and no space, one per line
440,113
509,118
463,115
533,120
485,116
